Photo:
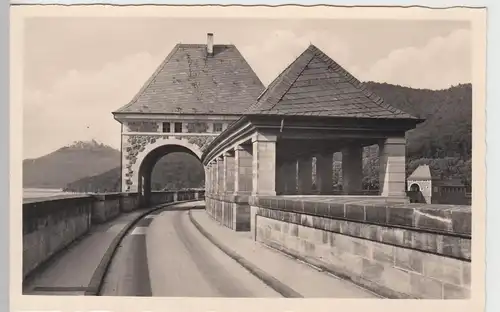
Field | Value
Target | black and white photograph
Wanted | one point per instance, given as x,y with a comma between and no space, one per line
211,155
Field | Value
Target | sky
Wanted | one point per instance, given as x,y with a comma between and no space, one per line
77,70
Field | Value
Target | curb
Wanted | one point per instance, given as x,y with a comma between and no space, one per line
269,280
97,279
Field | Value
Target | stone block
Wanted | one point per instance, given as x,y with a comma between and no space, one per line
461,222
455,292
355,212
396,280
361,249
352,228
425,287
344,243
401,216
336,210
383,253
368,231
425,242
409,260
456,247
434,219
323,209
376,214
443,269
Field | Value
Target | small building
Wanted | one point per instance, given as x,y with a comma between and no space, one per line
425,187
419,183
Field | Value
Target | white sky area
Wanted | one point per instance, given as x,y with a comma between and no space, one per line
78,70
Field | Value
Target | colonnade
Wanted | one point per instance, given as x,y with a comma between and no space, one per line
251,168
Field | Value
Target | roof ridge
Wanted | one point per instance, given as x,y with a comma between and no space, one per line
279,78
151,79
294,79
358,84
202,45
244,60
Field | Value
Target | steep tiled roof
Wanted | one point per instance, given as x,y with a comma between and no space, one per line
423,172
315,85
189,82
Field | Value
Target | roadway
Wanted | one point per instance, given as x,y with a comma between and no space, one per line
166,255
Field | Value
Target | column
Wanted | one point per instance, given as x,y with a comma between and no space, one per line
220,175
264,165
242,187
220,188
227,207
324,173
305,175
229,172
243,170
207,178
352,169
392,176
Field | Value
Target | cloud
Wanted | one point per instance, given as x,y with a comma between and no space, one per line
281,47
442,62
79,104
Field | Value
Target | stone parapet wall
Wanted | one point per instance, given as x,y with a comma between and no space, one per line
50,225
232,211
399,251
396,250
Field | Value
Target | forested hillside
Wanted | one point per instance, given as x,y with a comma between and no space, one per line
444,141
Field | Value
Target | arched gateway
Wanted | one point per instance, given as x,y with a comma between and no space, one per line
195,93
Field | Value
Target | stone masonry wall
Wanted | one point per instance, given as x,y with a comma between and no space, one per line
49,226
229,210
405,251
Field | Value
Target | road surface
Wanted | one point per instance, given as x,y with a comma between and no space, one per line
165,255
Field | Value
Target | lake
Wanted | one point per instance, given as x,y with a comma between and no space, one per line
29,193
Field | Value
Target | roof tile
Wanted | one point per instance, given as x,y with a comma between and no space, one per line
188,81
314,84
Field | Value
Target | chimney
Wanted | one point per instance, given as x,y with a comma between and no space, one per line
210,44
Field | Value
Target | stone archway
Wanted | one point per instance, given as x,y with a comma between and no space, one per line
417,196
415,187
142,153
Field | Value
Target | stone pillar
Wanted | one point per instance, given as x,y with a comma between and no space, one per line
220,188
227,207
220,175
242,187
264,165
352,170
207,178
229,172
392,175
214,177
243,170
305,175
324,173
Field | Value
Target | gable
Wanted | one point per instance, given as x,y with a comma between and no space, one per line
315,85
190,82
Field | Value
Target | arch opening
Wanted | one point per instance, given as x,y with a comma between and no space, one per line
166,168
415,187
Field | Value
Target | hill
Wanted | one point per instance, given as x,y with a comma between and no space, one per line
444,141
447,132
174,171
68,164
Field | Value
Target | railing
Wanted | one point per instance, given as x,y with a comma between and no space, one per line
51,224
